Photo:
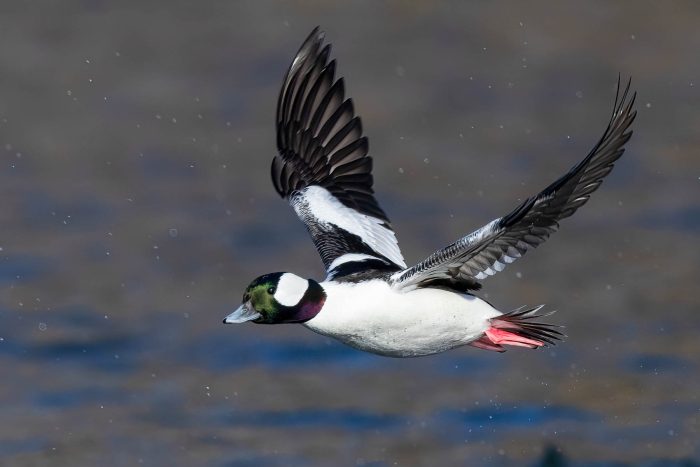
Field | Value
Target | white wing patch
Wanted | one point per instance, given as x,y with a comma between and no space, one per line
349,257
328,210
290,289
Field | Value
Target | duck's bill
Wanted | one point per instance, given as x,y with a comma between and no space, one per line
241,315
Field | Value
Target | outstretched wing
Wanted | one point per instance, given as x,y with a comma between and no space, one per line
488,250
323,169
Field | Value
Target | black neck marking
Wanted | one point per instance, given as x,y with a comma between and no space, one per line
358,271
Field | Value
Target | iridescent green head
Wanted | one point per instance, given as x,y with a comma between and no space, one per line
279,297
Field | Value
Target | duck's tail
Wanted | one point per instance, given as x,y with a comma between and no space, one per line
517,328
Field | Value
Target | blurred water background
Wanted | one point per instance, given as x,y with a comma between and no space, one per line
135,143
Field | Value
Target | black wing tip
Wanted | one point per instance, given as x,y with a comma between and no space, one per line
316,36
520,321
623,105
317,32
314,41
310,49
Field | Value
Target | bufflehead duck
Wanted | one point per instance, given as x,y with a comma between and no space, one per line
370,299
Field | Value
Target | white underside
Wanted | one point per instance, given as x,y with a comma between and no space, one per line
373,317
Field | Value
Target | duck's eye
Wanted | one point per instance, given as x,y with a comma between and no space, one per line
271,290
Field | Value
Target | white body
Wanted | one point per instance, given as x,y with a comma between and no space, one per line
373,317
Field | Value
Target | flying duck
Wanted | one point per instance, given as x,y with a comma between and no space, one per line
370,299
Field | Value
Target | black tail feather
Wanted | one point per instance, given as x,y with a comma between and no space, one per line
520,321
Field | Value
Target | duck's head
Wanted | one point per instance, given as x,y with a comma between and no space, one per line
279,297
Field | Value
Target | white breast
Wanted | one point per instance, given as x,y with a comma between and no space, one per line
374,317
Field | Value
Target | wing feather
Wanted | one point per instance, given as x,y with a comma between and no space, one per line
488,250
323,168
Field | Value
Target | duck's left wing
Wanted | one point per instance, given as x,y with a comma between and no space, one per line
323,169
488,250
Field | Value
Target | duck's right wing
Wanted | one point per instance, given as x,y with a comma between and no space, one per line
488,250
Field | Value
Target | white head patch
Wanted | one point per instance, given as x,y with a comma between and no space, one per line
290,289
